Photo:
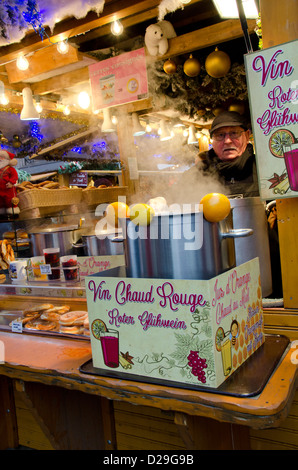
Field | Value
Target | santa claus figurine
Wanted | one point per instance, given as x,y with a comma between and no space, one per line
8,178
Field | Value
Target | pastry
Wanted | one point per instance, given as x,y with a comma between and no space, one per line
38,308
41,325
73,318
50,316
73,330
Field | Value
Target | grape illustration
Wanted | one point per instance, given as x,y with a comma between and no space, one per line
197,364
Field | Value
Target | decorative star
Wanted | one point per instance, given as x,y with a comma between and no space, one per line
276,179
127,357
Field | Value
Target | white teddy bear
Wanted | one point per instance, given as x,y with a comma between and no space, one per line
157,35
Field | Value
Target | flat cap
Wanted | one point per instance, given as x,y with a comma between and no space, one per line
228,118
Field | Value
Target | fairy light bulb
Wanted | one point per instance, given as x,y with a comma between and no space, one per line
38,107
84,100
22,63
63,47
117,28
4,100
66,110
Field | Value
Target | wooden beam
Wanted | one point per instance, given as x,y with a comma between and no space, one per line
42,61
64,142
143,16
205,37
133,12
60,82
209,36
73,27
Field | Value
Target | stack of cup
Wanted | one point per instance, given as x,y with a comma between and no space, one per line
70,267
52,257
36,262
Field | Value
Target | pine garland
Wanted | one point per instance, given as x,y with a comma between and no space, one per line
197,95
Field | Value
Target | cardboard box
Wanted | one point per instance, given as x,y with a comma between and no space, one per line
180,331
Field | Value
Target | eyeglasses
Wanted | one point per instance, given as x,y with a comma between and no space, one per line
234,135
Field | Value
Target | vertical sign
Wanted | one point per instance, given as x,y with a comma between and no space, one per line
119,80
273,93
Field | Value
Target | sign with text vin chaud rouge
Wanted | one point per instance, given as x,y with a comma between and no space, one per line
272,76
184,331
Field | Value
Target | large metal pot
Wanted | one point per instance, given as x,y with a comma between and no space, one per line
250,212
179,246
52,236
103,243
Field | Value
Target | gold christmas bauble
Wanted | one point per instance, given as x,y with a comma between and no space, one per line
201,112
191,67
239,107
217,64
217,111
169,66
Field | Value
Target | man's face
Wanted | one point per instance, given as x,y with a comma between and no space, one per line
229,147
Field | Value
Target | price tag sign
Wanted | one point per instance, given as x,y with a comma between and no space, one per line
45,269
16,326
79,179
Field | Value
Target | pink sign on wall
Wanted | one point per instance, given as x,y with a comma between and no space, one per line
119,80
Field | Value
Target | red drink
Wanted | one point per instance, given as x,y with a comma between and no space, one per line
110,348
71,274
55,274
291,160
52,256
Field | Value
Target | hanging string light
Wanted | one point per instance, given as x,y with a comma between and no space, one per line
117,28
38,105
84,100
66,110
63,47
22,63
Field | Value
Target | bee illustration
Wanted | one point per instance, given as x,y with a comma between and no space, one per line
234,331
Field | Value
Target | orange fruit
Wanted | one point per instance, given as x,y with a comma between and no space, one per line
116,210
216,207
141,214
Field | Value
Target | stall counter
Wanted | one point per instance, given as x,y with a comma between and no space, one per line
30,361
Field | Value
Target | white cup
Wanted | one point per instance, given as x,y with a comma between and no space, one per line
17,270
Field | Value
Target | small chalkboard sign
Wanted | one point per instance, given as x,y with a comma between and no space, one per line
78,179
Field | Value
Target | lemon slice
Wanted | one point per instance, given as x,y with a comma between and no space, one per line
98,327
219,336
278,139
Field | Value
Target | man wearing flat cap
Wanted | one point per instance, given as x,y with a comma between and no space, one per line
231,157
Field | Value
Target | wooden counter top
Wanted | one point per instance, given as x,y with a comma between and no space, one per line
56,361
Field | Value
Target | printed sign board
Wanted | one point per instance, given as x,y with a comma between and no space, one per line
118,80
273,94
185,331
79,179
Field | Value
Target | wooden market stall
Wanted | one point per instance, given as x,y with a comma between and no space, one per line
92,412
